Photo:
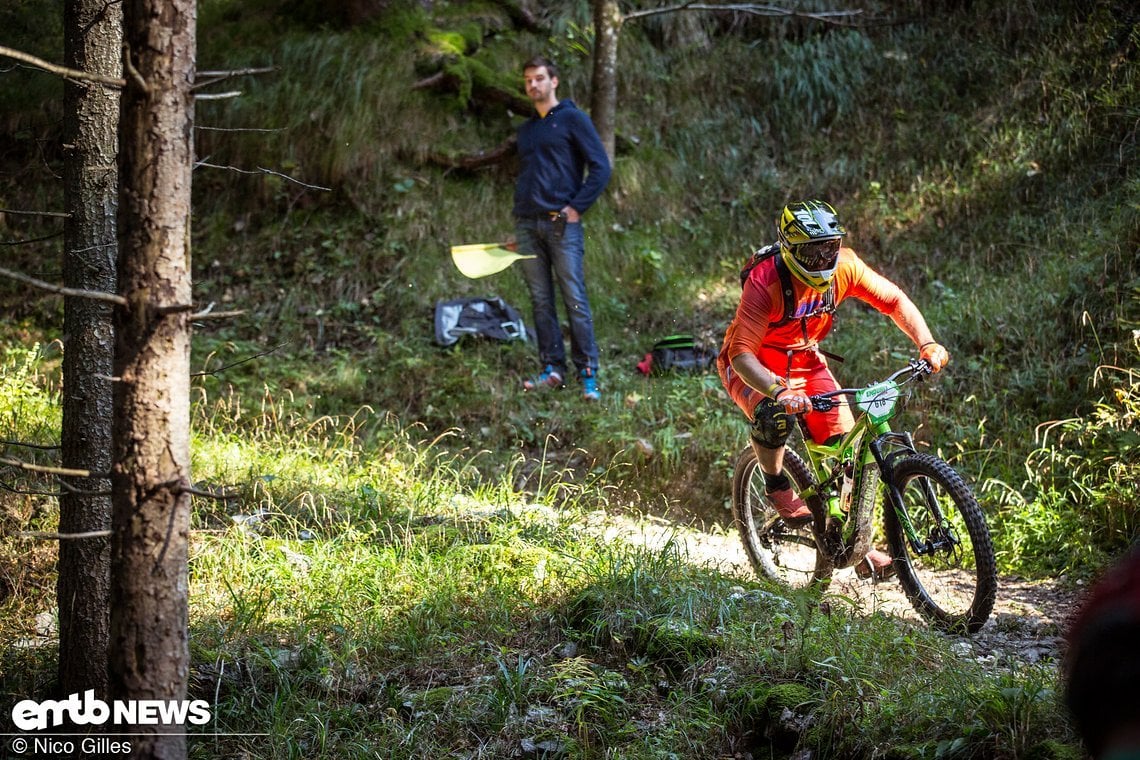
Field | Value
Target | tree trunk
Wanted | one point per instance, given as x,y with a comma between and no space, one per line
149,653
93,42
603,102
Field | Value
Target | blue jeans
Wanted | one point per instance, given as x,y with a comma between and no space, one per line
560,259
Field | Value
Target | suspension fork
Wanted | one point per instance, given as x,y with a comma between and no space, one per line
887,447
941,540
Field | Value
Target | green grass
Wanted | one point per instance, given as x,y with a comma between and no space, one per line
1002,197
366,591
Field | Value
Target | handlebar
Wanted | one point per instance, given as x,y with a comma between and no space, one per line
917,369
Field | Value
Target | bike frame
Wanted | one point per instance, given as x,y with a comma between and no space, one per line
870,440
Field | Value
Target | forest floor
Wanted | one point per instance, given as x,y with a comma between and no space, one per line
1026,626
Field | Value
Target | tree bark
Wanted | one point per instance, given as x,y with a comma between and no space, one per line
92,42
603,101
149,653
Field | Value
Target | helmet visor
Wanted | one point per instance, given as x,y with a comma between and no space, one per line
817,255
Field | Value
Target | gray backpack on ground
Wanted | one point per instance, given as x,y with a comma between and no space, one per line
490,317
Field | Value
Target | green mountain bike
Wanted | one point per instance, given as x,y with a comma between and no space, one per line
936,533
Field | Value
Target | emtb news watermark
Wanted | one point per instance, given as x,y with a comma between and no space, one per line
88,710
29,715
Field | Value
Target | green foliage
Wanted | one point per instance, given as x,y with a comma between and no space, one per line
1085,502
361,590
406,561
29,401
814,81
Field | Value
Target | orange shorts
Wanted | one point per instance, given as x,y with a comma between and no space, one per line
808,372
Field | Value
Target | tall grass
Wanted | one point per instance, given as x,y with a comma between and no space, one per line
1083,482
359,589
983,158
969,181
988,168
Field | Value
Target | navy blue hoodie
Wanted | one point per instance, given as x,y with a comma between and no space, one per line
555,151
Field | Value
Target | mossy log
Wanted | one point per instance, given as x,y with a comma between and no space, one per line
476,85
482,159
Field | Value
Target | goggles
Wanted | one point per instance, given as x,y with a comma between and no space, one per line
817,255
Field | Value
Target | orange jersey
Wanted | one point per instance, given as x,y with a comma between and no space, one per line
754,329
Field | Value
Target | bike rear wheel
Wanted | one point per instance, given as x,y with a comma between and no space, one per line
784,553
951,576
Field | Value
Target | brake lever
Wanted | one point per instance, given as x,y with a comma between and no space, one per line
822,404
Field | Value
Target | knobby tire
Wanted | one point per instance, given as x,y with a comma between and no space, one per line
953,587
783,553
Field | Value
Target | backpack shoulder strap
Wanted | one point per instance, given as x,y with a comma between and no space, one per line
788,291
787,288
759,255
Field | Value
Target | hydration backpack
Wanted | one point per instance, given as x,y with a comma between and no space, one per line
788,292
786,288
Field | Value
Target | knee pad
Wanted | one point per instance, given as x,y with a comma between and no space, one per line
770,425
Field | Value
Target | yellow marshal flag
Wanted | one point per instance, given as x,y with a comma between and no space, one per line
482,259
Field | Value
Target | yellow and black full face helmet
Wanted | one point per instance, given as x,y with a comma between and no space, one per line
810,235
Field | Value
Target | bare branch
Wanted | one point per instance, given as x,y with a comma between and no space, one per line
445,80
754,9
58,214
134,73
29,241
477,160
655,11
261,170
42,535
435,79
235,73
65,486
224,367
50,470
209,313
39,446
218,95
174,308
211,77
91,294
211,494
62,71
235,129
28,491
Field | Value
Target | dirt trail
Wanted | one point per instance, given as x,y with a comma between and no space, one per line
1025,626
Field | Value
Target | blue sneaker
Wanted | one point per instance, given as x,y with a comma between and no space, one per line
590,390
548,378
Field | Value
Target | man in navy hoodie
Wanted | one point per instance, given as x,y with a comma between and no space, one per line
563,170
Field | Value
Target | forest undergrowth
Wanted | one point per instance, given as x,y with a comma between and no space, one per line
401,559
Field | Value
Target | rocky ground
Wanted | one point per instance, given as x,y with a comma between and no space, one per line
1026,624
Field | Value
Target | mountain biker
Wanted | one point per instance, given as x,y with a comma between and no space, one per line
770,361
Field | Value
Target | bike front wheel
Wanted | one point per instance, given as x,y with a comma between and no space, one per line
782,552
941,545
